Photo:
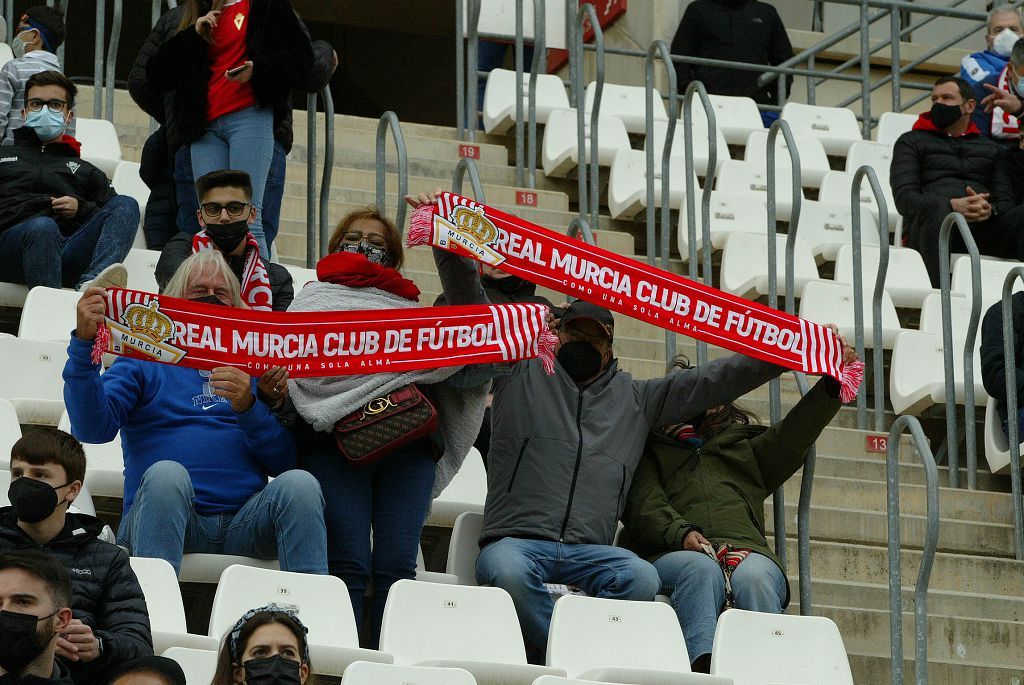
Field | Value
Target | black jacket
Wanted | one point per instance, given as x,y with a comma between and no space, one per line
176,64
993,367
107,595
507,290
179,248
737,30
60,676
1007,189
31,174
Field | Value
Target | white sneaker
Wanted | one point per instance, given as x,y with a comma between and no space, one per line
114,276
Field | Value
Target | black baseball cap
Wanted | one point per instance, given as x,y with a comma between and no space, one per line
581,309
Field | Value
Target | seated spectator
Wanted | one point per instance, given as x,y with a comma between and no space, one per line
35,598
198,445
226,213
266,645
699,492
993,361
987,67
563,451
150,670
1004,124
737,30
61,222
110,623
945,165
40,31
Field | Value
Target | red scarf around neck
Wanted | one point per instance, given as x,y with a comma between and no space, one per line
255,280
356,271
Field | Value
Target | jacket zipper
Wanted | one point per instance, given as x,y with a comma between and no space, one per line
576,469
704,485
522,451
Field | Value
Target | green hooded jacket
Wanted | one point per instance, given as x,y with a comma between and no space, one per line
720,489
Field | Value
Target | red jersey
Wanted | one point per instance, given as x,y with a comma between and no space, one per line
228,51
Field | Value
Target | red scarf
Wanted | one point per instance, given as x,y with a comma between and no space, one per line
255,280
356,271
550,259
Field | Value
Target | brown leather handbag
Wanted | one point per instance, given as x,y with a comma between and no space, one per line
384,424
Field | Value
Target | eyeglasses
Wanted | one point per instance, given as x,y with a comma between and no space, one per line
357,237
55,105
235,209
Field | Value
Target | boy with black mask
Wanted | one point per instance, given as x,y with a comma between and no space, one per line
225,213
110,623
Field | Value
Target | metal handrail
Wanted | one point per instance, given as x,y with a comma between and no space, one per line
472,76
62,5
467,166
1012,426
895,554
97,67
579,225
589,201
115,42
389,120
537,67
803,513
697,88
460,71
312,253
968,356
325,183
876,298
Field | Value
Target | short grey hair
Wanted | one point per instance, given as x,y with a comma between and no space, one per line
1000,10
205,262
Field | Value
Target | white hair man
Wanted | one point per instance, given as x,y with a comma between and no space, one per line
981,69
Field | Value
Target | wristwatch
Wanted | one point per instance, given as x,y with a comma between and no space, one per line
100,648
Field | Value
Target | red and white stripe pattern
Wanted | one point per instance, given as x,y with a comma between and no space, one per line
520,329
255,281
820,351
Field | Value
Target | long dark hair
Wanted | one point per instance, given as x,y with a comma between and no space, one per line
227,662
716,421
190,14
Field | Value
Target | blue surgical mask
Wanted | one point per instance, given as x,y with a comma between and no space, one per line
47,125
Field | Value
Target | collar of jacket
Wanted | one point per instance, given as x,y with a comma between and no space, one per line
596,385
25,136
78,528
924,123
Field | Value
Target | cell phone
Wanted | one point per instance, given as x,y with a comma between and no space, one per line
237,70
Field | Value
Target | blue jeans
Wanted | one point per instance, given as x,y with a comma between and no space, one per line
243,141
696,585
389,498
521,567
283,521
34,252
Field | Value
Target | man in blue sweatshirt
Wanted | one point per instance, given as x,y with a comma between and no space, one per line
198,446
981,68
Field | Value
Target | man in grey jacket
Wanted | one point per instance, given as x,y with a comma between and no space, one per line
563,451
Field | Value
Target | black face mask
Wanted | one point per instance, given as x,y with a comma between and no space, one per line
375,253
945,116
208,299
20,642
581,360
33,500
226,237
272,670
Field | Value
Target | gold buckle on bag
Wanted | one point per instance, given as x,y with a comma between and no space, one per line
377,405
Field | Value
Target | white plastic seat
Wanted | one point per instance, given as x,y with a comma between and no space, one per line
625,103
826,228
208,568
466,492
917,373
100,145
166,608
960,313
813,160
736,176
559,155
835,127
500,103
640,678
701,150
32,379
104,464
126,181
199,665
141,266
828,302
10,431
906,279
735,117
6,53
300,276
432,576
627,183
13,294
997,447
475,628
892,125
835,190
730,213
464,547
745,265
321,601
49,314
368,673
755,648
993,272
878,156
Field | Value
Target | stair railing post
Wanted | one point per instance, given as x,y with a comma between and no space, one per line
325,183
389,121
1012,426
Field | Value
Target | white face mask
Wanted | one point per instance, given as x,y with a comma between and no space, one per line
1004,41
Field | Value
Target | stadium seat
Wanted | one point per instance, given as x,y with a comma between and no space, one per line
432,576
6,54
499,113
141,266
126,181
836,127
993,272
755,648
997,447
166,608
464,546
826,228
737,176
368,673
49,314
625,103
735,117
300,276
906,279
892,125
701,150
730,213
559,154
321,601
466,492
813,161
745,265
828,302
627,183
835,190
641,678
199,665
32,379
917,372
878,156
960,314
13,294
104,464
208,568
10,431
475,628
100,145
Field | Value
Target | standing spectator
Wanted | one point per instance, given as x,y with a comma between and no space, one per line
230,67
738,30
986,68
945,165
266,645
110,623
61,223
40,32
700,490
993,361
198,445
35,596
150,670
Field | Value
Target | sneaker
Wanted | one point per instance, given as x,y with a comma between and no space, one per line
114,276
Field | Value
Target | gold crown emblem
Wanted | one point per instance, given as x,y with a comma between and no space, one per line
476,224
148,321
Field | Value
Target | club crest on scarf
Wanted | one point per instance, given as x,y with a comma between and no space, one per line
142,327
469,228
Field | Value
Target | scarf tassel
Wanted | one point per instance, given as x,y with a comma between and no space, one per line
421,226
546,350
853,374
101,343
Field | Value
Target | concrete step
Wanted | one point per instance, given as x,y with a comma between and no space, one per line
300,123
869,668
910,473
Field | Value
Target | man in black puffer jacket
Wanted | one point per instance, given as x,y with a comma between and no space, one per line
945,165
111,622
